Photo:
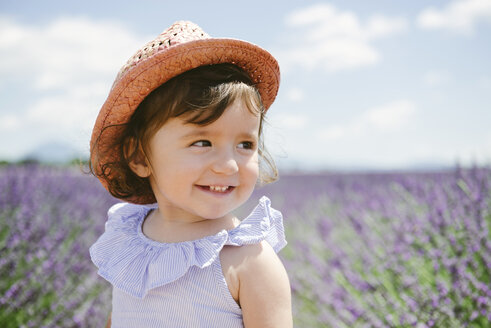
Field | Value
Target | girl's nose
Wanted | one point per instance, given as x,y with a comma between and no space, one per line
225,164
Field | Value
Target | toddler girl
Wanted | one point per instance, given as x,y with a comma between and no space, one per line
179,138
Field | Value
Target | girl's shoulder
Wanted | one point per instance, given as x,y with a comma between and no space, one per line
237,261
258,281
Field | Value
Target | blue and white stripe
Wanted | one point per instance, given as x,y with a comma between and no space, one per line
175,284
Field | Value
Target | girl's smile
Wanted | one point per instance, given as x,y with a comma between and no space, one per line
218,189
203,172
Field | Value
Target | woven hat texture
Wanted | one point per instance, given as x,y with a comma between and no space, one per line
181,47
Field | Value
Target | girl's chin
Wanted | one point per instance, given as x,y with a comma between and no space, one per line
216,215
208,208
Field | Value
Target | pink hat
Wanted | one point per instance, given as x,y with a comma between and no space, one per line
180,48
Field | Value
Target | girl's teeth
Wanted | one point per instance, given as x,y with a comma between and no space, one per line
218,188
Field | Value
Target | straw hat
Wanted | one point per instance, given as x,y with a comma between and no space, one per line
182,47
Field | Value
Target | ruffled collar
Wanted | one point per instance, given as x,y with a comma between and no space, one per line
135,264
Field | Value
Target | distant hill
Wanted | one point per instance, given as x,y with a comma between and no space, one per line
53,152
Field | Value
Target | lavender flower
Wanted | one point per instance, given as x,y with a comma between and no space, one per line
365,250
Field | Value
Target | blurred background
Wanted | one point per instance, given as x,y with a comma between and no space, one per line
381,130
365,85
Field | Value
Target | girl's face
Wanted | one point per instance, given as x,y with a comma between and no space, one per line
203,172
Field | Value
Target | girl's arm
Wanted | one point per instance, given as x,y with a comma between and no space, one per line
108,324
264,288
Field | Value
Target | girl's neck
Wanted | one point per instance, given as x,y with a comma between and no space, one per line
158,227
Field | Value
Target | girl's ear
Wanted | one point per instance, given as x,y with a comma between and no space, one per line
137,161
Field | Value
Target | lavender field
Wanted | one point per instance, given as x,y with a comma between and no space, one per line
365,250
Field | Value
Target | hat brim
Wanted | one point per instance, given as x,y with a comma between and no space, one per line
128,92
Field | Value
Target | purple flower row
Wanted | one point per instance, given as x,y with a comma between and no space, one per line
48,219
365,250
389,250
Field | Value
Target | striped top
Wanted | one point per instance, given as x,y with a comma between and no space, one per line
175,284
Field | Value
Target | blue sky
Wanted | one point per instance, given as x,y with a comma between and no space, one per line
365,84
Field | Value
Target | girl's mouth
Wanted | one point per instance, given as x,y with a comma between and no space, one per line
217,189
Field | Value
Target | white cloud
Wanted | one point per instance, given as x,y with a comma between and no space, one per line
390,117
459,16
9,122
68,117
436,78
289,121
70,64
67,50
384,119
337,132
326,37
295,94
379,26
77,108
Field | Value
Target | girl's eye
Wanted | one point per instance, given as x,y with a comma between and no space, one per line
246,145
202,143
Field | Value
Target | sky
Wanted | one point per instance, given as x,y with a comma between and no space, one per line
379,84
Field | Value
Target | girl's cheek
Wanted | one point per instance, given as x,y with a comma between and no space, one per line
255,159
253,165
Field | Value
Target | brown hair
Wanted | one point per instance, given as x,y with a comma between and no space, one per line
201,95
